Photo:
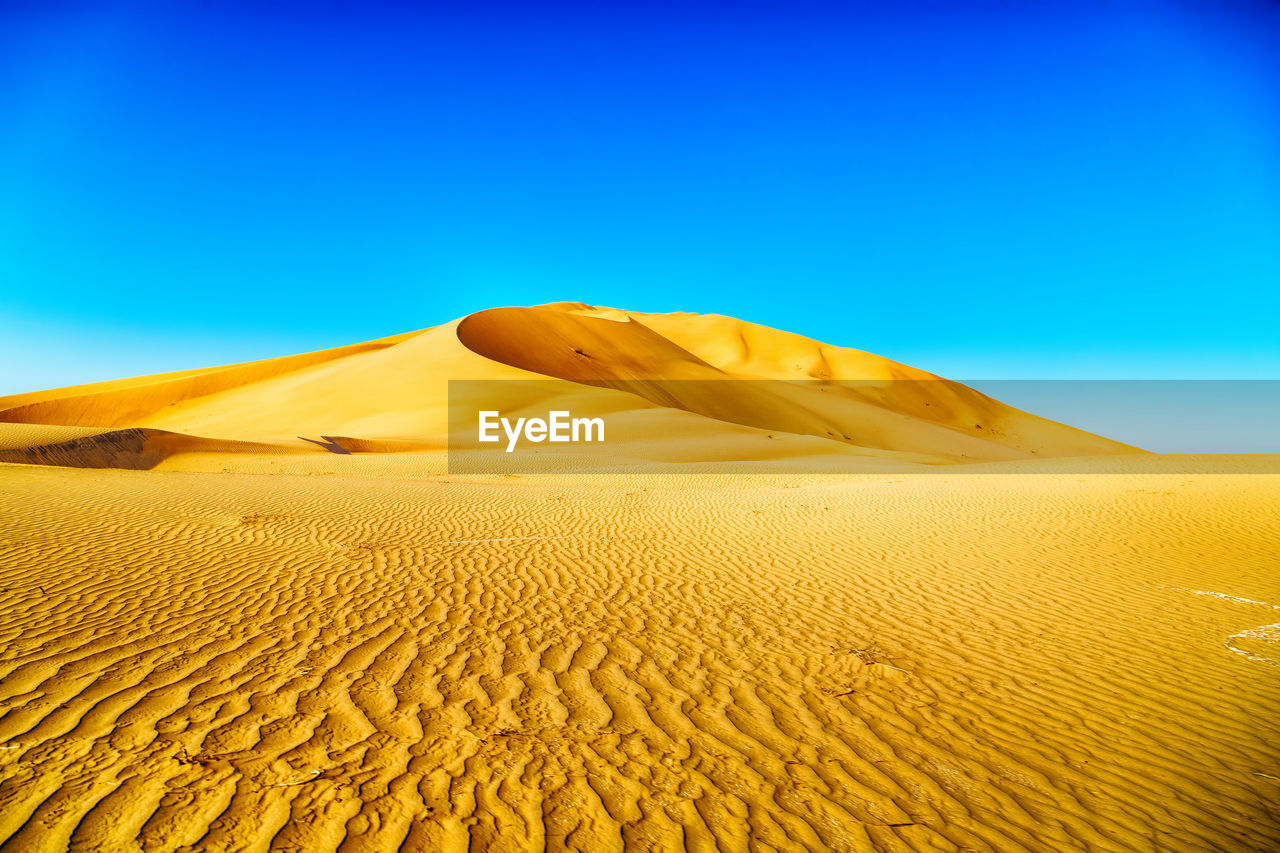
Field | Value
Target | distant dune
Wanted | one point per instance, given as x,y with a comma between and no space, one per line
291,628
391,395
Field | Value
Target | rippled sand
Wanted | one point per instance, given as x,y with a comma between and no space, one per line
401,661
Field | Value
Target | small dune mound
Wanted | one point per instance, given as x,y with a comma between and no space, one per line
348,444
134,449
20,436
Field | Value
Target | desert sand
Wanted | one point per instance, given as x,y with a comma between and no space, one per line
248,608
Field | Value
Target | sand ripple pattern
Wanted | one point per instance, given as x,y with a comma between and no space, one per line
245,662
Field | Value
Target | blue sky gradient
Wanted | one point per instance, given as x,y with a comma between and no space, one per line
985,190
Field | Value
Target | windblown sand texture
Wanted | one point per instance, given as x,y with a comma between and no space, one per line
245,608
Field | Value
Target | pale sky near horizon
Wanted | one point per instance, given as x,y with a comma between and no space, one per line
985,190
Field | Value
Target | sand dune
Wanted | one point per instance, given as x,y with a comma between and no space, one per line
294,631
393,393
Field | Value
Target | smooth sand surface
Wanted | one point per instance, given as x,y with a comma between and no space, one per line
252,642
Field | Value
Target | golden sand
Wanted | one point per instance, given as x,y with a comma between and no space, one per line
254,643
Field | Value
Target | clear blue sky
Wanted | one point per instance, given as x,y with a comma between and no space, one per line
985,190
